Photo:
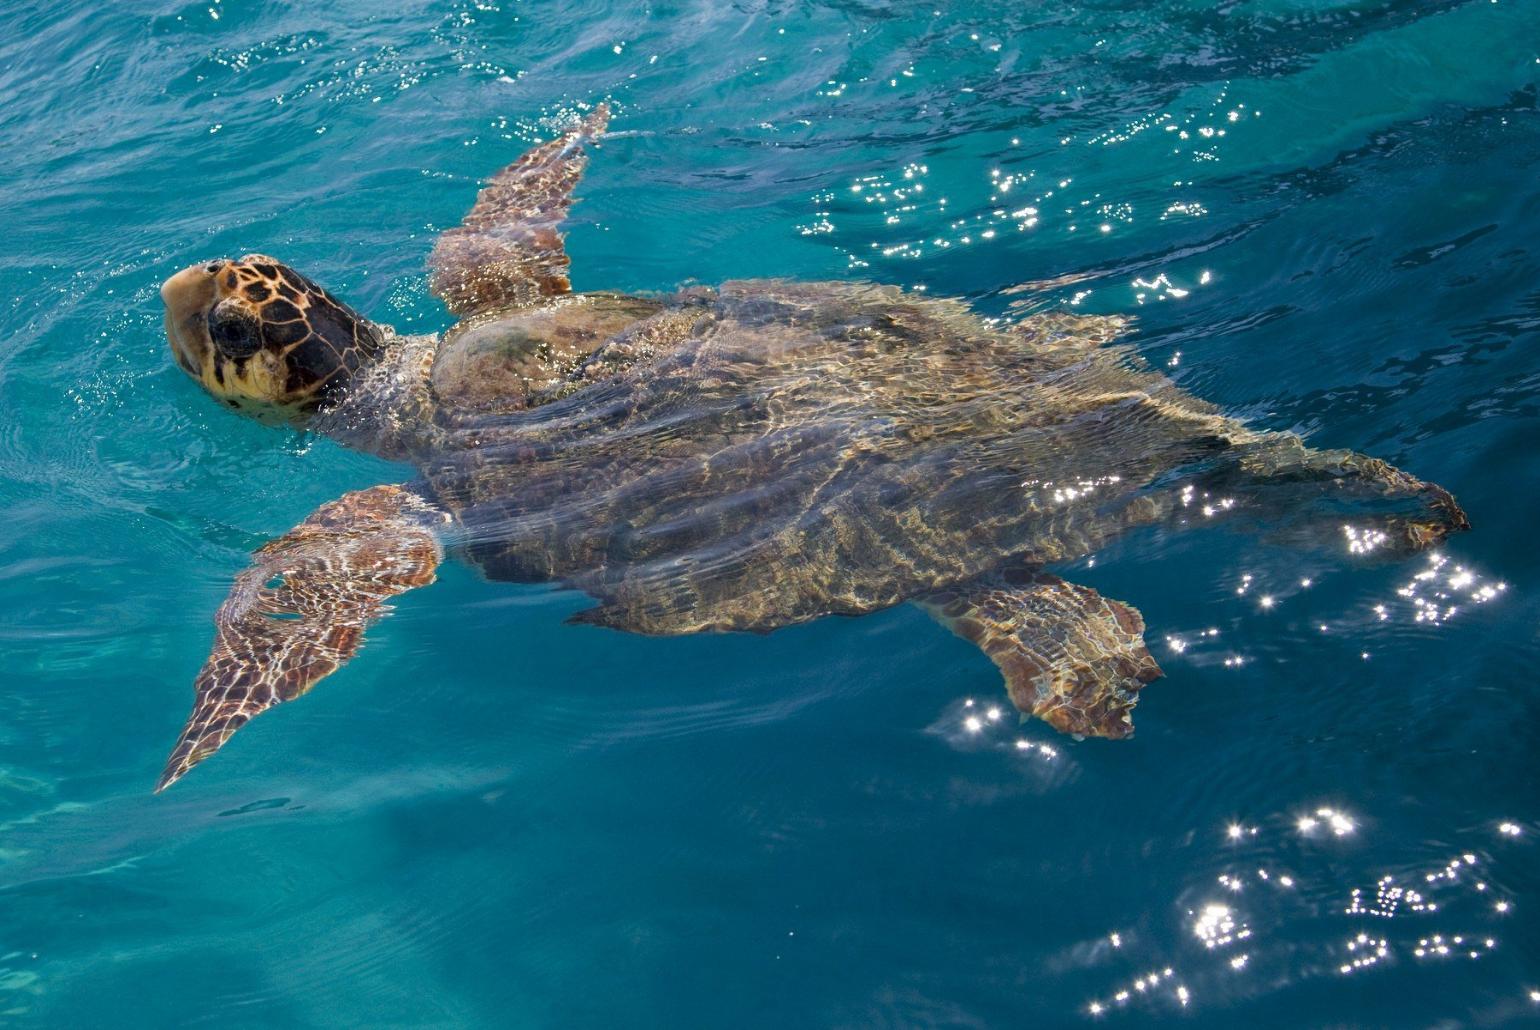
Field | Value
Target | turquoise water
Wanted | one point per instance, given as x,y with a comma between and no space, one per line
1324,217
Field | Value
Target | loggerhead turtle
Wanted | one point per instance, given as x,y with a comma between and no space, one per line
741,458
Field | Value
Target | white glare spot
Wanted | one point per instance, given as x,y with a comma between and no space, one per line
1215,926
1341,825
973,724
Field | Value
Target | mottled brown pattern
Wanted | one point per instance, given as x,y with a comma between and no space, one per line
792,450
1070,656
264,338
508,251
300,610
492,364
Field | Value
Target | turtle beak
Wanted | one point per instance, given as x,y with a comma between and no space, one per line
190,286
188,295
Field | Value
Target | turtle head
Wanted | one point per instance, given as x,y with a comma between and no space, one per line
265,339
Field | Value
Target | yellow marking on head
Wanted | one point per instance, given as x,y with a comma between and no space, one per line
261,337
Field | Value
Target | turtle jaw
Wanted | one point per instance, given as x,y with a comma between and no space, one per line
188,296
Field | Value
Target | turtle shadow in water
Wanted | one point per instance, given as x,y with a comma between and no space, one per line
260,806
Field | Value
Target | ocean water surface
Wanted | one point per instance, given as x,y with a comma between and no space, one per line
1324,217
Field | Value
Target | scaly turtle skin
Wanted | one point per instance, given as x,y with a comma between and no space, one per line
741,458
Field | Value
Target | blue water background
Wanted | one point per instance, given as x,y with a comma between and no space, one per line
1324,217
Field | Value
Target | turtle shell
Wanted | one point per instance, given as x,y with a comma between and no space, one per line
777,451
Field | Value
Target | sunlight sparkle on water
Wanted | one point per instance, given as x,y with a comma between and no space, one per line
1216,926
1160,287
1368,951
1363,541
1221,928
1339,823
1437,592
1388,899
968,724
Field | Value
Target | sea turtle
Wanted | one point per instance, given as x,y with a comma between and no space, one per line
739,458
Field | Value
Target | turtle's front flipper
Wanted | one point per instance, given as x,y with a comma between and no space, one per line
508,252
1070,656
299,611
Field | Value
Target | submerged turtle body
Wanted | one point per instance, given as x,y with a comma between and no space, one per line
733,459
779,451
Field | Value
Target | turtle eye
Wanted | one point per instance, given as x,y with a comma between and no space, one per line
234,331
213,267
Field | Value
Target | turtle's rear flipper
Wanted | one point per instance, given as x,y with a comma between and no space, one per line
1308,497
1070,656
299,611
508,252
